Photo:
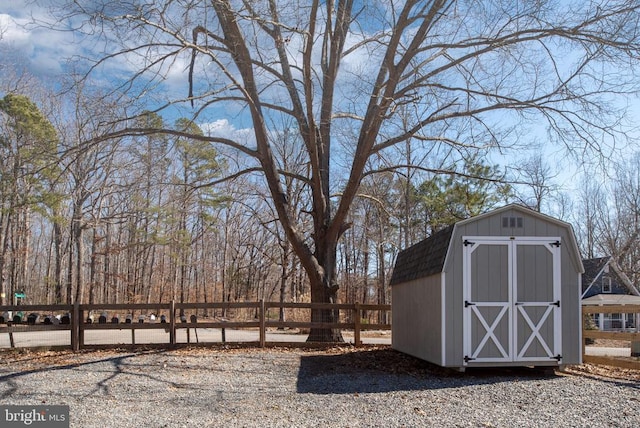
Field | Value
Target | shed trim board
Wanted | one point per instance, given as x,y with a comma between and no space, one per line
443,305
580,322
505,326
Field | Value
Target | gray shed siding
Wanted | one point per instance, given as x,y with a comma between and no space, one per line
418,319
419,323
491,225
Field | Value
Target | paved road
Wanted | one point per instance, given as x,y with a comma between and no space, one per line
201,335
208,335
601,351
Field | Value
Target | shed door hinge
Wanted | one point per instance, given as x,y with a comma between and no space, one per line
467,243
556,244
556,303
557,357
468,303
468,358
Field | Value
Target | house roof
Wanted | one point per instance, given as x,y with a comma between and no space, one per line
592,269
425,258
612,299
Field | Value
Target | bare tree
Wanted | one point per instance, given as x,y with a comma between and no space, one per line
589,218
536,177
88,171
616,208
341,70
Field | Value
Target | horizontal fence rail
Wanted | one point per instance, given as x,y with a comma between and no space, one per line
627,333
173,324
83,326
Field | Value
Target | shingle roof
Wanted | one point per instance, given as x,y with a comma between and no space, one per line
592,268
423,259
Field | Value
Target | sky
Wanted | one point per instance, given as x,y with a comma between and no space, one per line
45,52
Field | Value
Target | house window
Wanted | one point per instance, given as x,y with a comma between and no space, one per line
613,322
595,321
606,284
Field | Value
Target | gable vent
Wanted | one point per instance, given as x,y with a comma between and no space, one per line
512,222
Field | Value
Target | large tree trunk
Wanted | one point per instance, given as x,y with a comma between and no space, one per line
324,289
321,293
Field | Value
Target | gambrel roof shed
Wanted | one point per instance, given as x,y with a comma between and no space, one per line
502,288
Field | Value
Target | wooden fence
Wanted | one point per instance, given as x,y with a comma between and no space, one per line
76,321
178,323
631,336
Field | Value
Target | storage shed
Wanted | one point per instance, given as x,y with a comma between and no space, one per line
499,289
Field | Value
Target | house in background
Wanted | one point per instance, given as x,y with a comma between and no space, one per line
603,283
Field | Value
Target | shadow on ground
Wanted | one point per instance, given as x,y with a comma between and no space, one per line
62,362
386,370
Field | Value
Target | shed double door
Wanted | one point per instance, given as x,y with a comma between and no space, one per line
512,306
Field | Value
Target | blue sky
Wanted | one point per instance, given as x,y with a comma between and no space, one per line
45,53
45,50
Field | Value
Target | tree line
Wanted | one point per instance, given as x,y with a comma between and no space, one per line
149,219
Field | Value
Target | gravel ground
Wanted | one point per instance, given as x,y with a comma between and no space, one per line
338,387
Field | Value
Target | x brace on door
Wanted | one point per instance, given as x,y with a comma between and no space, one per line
490,329
535,329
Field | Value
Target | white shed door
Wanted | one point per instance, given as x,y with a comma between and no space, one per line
511,299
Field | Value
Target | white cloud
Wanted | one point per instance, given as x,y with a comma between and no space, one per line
12,31
45,49
224,129
31,31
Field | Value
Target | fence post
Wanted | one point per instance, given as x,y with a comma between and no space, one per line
263,333
75,328
356,325
172,323
81,328
584,339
